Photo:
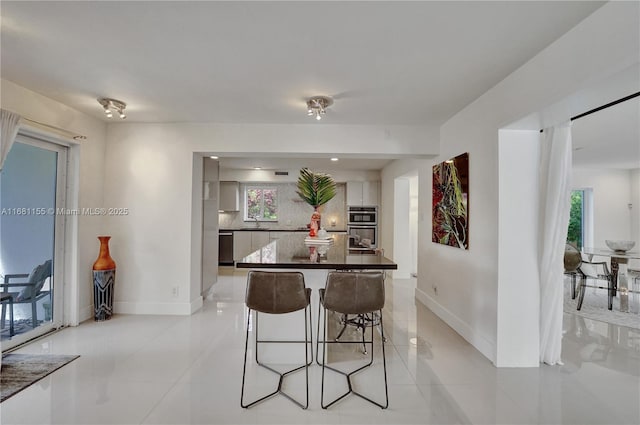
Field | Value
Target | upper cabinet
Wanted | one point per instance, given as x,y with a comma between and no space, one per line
229,196
363,193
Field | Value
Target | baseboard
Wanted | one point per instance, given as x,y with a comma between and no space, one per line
162,309
482,344
86,313
196,304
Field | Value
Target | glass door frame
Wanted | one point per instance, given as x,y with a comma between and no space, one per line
59,229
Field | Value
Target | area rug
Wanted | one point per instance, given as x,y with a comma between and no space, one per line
21,370
594,307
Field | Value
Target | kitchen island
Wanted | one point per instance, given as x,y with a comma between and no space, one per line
291,252
314,260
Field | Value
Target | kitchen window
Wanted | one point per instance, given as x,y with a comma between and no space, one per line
261,203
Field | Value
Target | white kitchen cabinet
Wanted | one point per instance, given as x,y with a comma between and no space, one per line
259,239
363,193
241,245
370,193
245,242
229,196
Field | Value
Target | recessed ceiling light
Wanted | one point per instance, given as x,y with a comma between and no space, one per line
257,168
213,157
334,159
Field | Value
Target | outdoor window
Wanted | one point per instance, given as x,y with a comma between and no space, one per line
580,232
261,203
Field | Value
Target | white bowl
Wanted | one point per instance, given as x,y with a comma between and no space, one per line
620,246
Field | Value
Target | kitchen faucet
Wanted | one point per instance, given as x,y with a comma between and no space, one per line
256,220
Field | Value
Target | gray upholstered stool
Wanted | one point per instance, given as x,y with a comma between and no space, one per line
358,293
277,293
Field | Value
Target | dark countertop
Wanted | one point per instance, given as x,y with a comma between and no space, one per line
270,229
291,252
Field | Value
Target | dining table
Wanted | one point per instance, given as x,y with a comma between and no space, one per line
314,258
619,261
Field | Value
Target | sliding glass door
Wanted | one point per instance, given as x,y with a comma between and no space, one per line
32,207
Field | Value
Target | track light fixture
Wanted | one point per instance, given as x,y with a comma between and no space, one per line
317,105
112,105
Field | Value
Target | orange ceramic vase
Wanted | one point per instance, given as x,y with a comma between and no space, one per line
104,278
104,261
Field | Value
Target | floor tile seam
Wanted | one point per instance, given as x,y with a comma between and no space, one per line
529,411
154,337
142,343
198,358
532,417
174,383
158,402
450,397
406,366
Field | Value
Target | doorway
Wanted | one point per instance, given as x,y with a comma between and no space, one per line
32,204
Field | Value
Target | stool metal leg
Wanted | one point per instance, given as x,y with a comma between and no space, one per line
307,342
581,290
361,321
348,375
318,336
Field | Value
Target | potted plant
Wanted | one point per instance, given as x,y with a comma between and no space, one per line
315,189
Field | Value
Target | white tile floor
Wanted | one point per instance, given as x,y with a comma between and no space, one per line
184,370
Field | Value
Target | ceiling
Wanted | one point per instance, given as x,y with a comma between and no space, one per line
384,63
609,138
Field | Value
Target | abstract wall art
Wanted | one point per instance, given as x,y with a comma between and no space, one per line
451,202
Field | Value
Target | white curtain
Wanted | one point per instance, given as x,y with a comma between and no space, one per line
555,194
9,124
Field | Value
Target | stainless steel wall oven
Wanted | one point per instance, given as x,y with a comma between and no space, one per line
362,227
362,215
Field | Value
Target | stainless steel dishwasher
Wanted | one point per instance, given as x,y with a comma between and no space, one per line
225,248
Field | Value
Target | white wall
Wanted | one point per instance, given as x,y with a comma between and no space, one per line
87,159
635,213
207,225
611,198
518,153
413,222
401,228
604,44
149,169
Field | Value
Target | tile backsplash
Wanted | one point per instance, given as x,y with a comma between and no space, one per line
293,212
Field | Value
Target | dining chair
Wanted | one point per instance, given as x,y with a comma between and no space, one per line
572,261
595,271
277,293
